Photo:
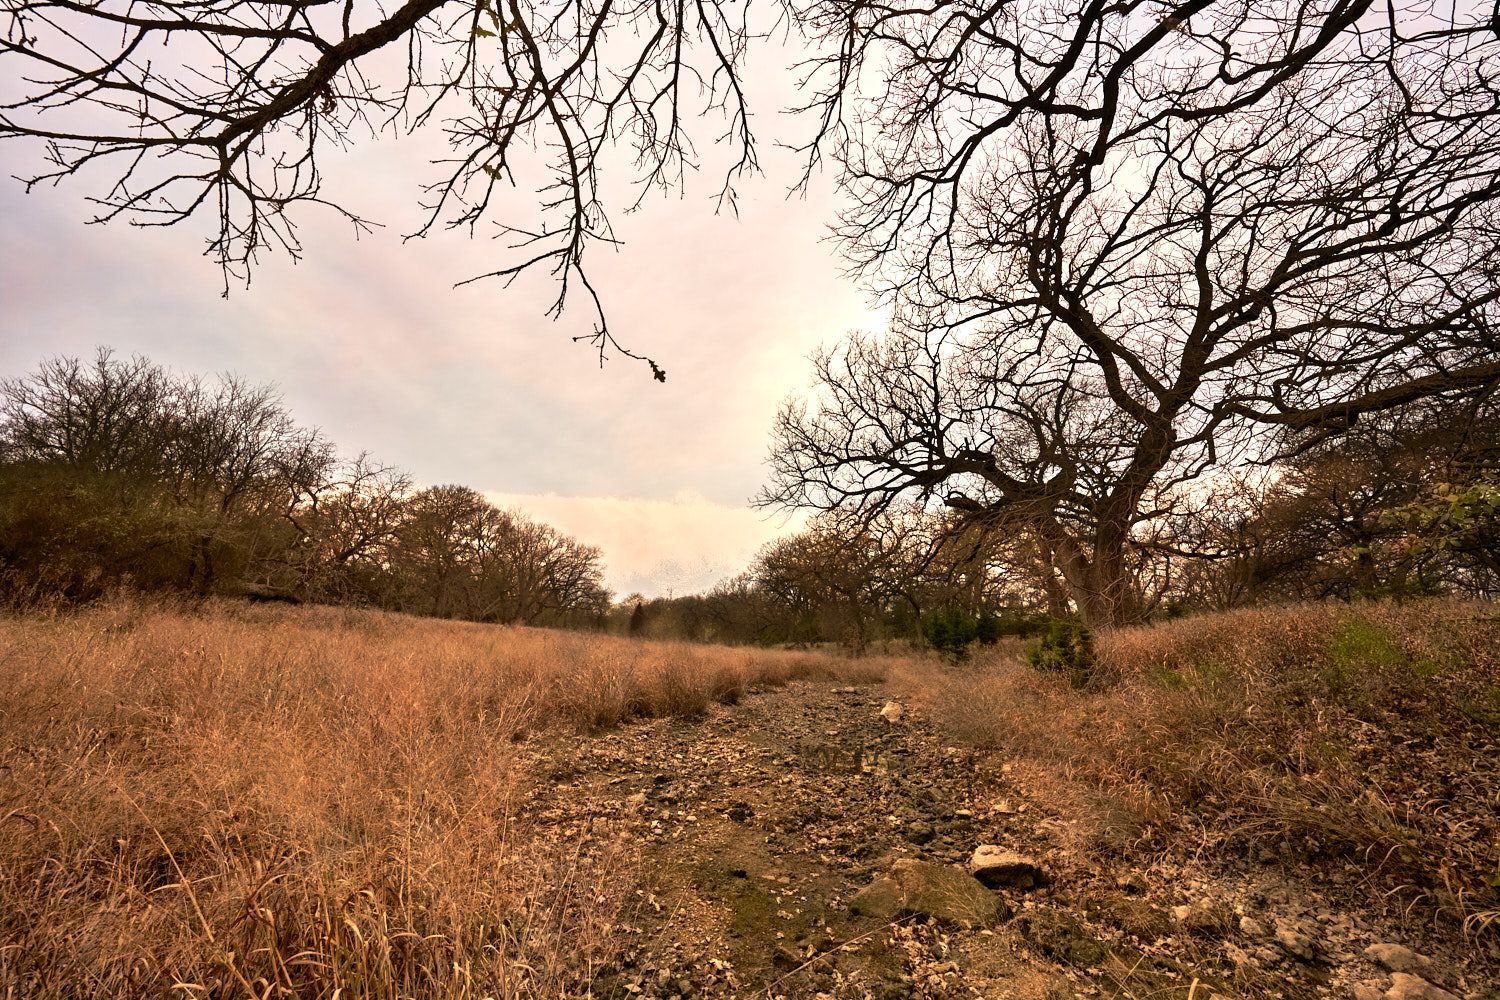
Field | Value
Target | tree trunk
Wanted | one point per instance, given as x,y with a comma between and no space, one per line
1099,581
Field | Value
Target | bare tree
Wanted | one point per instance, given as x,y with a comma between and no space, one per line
225,109
1124,237
164,465
347,528
104,418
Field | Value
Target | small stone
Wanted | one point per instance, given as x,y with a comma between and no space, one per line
785,958
638,799
1408,987
1367,991
1238,956
996,867
1060,937
1204,918
1294,942
892,712
1251,927
919,832
1397,958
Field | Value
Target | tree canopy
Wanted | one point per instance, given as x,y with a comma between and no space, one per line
1126,241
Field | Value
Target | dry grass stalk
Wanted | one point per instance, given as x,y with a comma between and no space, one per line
241,801
1357,732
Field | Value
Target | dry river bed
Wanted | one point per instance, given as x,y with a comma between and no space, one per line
760,828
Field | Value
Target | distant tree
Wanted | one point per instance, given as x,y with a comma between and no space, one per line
532,572
116,472
134,471
348,529
436,550
833,578
105,418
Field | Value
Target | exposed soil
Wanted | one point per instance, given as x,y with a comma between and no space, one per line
758,824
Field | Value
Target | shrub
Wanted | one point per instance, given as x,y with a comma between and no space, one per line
950,631
1067,647
953,631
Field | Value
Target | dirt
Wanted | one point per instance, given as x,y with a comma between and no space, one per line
757,825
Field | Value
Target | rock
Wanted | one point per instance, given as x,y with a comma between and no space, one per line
638,799
1251,927
947,895
919,832
1366,991
785,958
1408,987
922,888
1238,956
1397,958
1060,937
881,899
1204,918
996,867
1294,942
892,712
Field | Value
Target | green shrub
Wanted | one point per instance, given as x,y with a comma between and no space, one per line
950,631
1068,647
1362,645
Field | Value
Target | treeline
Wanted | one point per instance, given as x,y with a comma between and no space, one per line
910,574
118,472
1405,504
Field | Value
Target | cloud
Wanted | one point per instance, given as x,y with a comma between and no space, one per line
681,545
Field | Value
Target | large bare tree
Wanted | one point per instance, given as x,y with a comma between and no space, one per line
1124,238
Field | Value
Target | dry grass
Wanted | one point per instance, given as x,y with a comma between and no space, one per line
236,801
1317,733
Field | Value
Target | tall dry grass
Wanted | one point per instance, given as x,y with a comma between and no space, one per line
1363,733
248,802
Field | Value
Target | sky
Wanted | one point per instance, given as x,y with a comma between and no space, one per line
369,340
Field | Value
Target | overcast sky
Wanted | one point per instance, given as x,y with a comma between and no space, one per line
369,340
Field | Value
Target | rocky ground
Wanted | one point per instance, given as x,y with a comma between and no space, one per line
803,844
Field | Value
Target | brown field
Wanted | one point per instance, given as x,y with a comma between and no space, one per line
238,801
1363,735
